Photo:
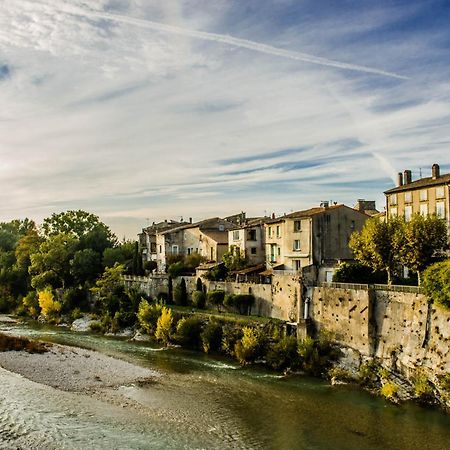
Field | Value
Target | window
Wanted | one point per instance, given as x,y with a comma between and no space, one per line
393,199
297,244
424,209
269,232
393,211
236,235
423,195
440,209
352,225
253,250
252,235
152,247
408,213
297,264
279,251
160,249
175,249
408,197
278,231
440,192
297,225
221,228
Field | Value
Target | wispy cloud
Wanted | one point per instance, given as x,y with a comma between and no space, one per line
127,110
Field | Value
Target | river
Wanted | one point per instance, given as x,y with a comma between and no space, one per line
201,402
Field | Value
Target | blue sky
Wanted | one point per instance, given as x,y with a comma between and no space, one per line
142,110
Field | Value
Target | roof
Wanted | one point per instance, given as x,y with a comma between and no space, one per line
220,237
423,182
251,269
201,223
251,222
312,212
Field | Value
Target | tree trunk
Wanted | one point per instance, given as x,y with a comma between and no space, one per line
419,278
389,276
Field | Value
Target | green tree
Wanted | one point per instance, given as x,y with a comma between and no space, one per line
436,283
377,245
424,239
76,223
85,266
148,315
216,297
122,254
234,259
180,293
51,264
109,289
164,326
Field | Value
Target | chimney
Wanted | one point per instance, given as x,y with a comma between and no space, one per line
399,179
407,177
435,171
190,219
273,215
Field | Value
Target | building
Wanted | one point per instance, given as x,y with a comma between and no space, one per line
249,239
367,207
147,238
209,238
316,237
428,195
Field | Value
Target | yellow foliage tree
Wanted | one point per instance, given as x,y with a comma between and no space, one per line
164,326
49,307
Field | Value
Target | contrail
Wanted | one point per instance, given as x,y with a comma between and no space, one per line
236,42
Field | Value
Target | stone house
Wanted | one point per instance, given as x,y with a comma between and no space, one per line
428,195
316,237
249,239
209,238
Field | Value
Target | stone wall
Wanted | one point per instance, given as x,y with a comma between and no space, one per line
151,285
399,328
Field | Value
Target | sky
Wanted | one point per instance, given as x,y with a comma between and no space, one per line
142,110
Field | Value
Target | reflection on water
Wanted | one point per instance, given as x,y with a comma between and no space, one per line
204,402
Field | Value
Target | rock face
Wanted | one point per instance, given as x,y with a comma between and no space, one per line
82,324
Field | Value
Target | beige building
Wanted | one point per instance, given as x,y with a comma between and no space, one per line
249,239
313,237
209,238
426,196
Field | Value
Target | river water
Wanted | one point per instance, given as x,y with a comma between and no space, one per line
201,402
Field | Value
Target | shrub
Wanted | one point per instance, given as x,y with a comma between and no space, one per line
357,273
228,301
283,354
188,331
199,285
199,299
164,326
149,266
436,284
49,308
212,337
148,315
244,303
31,304
180,293
176,269
317,355
422,388
389,390
15,343
216,297
96,327
230,336
250,347
162,297
368,373
338,373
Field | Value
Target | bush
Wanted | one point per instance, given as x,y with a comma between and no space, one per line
340,374
216,297
31,304
162,297
358,273
368,373
148,315
96,327
317,355
212,337
49,308
423,390
188,331
176,269
150,266
283,354
244,303
230,336
389,391
180,294
251,345
199,299
164,326
436,283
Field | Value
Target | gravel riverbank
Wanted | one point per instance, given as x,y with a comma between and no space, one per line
74,369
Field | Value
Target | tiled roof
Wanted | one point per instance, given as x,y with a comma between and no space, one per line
423,182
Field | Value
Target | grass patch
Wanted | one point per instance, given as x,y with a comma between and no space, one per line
13,343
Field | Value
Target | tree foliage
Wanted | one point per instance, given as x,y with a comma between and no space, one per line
377,245
234,259
164,326
424,238
436,283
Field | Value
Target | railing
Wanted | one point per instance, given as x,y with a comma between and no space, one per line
361,287
376,287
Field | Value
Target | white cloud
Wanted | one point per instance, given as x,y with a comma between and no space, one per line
131,119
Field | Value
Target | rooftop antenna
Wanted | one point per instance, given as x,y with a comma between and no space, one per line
420,172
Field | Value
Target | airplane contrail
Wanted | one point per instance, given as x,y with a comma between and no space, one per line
231,40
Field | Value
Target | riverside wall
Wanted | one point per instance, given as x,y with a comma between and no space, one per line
399,328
